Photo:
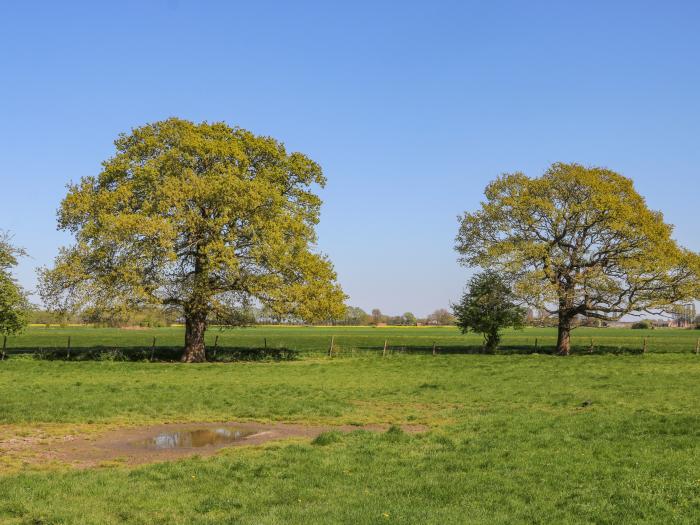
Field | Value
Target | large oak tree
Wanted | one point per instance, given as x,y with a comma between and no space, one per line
204,217
579,241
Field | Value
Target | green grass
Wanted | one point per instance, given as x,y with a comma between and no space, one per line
316,340
525,438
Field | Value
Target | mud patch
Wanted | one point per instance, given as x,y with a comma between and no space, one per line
194,438
151,444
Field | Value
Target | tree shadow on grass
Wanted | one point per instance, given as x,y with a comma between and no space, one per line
224,354
221,354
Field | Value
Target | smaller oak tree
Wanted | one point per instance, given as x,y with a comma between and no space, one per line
487,306
579,241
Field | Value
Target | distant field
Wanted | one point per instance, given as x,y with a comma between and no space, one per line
524,438
349,340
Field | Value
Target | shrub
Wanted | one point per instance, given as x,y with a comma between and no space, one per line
644,324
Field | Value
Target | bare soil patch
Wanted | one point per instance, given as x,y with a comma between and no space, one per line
166,442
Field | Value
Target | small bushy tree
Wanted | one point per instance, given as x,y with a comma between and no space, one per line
14,306
487,306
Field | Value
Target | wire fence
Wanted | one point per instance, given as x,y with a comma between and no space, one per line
83,345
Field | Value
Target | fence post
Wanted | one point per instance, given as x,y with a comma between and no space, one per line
590,347
216,343
68,349
434,349
384,351
644,347
153,347
330,350
265,339
697,347
4,347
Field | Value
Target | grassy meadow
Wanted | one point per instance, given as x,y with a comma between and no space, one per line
519,437
310,341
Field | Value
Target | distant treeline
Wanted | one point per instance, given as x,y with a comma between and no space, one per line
355,316
160,317
155,317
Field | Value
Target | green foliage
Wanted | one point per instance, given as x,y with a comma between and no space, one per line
644,324
579,241
440,317
355,316
408,319
487,306
14,306
201,217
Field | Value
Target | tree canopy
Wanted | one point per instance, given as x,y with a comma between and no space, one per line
487,306
204,217
441,317
579,241
14,306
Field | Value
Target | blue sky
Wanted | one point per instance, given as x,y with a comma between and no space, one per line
410,107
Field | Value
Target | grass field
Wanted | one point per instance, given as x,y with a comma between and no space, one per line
525,438
348,340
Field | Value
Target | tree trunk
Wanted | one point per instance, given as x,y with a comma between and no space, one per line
196,309
195,327
491,342
564,334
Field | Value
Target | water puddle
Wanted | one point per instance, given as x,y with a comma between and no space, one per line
195,438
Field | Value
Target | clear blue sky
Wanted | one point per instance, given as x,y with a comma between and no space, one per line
410,107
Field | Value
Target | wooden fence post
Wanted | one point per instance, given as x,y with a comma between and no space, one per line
216,344
384,351
330,350
590,347
434,349
265,339
68,349
4,347
153,347
536,344
644,347
697,346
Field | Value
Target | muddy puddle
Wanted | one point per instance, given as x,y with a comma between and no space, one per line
138,445
193,438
